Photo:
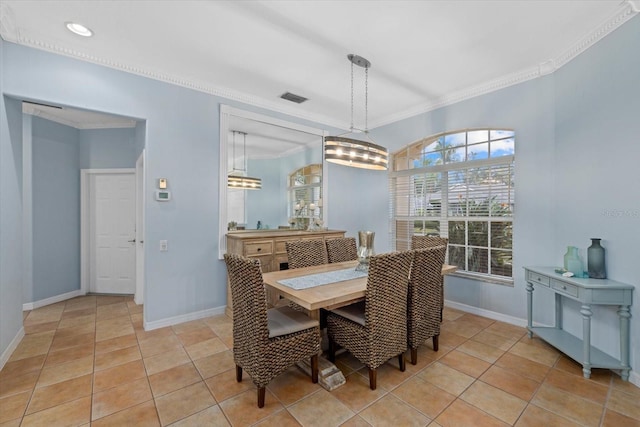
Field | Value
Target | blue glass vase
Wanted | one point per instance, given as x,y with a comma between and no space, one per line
595,260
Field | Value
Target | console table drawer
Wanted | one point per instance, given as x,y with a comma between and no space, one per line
564,288
258,248
538,278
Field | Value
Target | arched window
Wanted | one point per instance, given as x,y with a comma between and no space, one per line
458,185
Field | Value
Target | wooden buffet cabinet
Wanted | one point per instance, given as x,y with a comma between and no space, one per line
269,247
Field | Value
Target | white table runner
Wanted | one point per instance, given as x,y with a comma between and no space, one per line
312,280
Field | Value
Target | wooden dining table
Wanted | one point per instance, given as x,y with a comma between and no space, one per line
327,296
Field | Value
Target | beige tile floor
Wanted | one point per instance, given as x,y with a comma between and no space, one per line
87,361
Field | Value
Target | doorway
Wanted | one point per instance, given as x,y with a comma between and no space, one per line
108,217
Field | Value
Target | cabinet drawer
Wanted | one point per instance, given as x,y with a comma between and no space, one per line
538,278
565,288
281,246
258,248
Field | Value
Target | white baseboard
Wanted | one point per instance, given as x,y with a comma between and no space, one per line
634,378
51,300
6,354
149,326
487,313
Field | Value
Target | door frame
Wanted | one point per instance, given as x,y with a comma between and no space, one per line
85,221
140,191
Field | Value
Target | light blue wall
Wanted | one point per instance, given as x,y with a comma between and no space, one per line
10,216
595,157
265,205
140,137
109,148
56,210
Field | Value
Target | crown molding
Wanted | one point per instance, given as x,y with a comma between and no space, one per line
627,10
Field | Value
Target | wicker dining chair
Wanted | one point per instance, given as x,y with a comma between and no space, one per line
424,304
306,253
266,342
342,249
422,242
375,330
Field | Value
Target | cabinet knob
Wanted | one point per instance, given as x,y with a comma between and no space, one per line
259,249
564,287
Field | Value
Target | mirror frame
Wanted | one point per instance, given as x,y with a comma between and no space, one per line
226,112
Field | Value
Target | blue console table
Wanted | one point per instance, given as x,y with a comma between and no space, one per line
588,292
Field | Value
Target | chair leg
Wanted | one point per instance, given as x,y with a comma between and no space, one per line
238,373
314,368
332,351
261,393
414,356
401,361
372,379
435,342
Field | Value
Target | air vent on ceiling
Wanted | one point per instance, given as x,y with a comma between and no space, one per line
293,97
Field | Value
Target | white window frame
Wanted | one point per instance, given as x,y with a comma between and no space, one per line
445,216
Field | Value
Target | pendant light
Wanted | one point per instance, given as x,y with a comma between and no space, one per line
237,178
349,151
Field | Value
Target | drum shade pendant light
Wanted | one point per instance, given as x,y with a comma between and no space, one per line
237,178
349,151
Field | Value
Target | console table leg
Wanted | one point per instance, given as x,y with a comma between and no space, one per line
586,339
529,308
624,315
558,311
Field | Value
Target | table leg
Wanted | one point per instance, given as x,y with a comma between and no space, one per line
586,312
558,311
624,315
329,376
529,308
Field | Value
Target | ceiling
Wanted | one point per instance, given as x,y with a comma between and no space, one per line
424,54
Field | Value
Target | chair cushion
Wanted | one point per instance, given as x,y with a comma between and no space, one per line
353,312
285,320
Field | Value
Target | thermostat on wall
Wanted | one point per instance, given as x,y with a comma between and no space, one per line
163,195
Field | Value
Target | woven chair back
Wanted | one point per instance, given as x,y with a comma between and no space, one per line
249,304
424,304
421,242
306,253
386,304
342,249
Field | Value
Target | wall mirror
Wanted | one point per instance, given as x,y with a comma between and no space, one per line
269,150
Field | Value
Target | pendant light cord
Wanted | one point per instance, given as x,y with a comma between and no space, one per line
366,99
351,129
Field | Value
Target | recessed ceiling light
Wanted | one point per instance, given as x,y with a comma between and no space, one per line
79,29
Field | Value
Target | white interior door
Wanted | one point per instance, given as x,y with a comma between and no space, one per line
112,252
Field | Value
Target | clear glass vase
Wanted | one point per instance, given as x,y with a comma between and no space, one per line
595,260
365,249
